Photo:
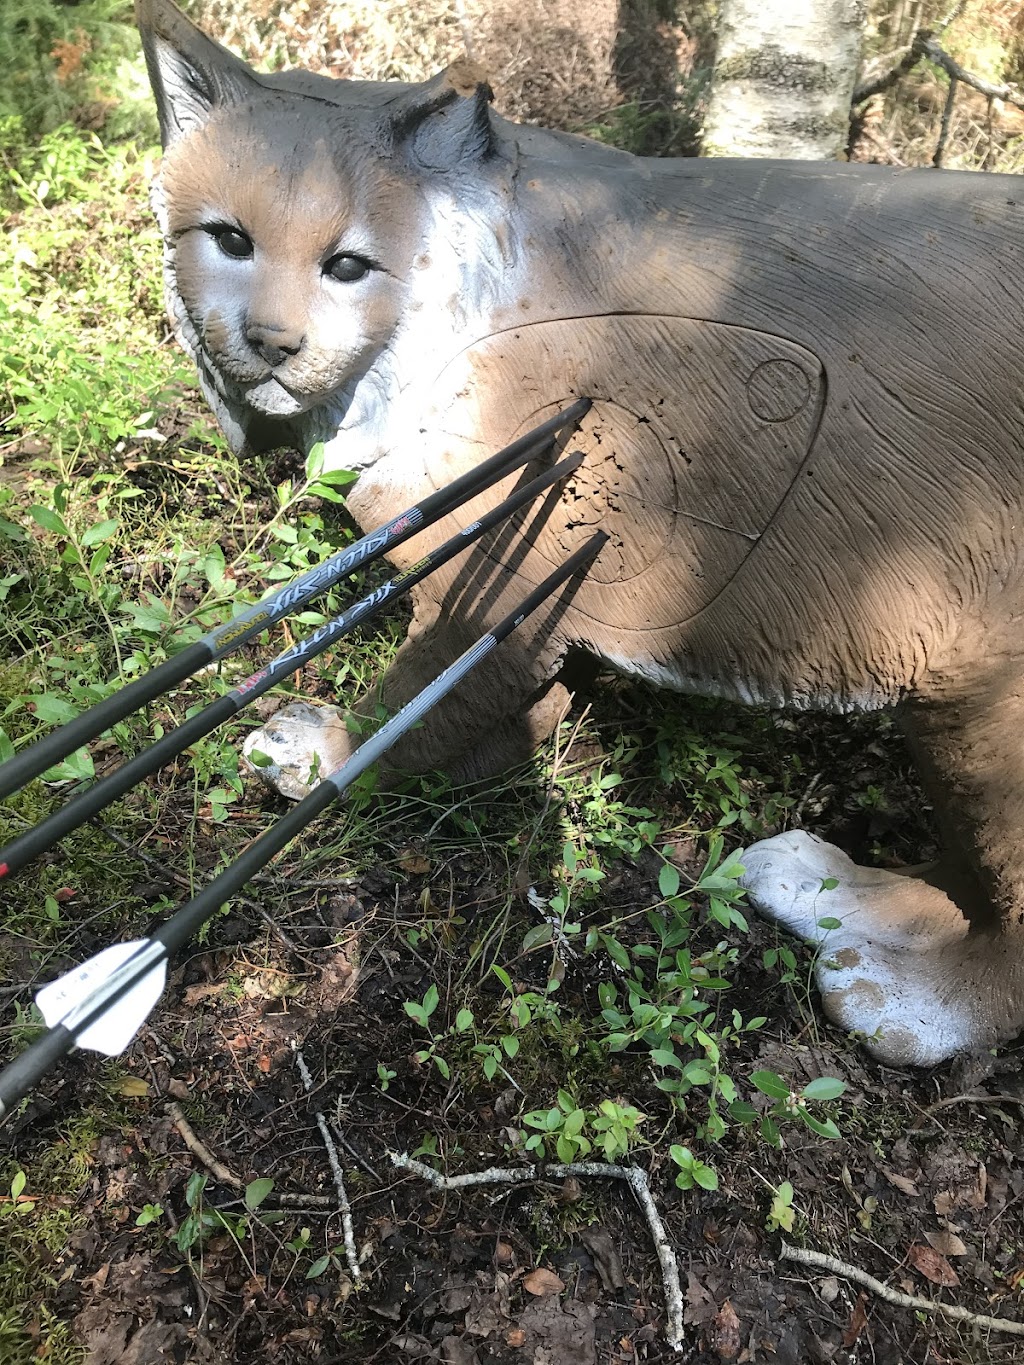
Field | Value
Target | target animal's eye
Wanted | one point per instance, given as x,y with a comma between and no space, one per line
347,269
232,242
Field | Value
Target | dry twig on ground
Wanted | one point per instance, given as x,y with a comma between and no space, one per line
195,1145
635,1178
820,1261
339,1180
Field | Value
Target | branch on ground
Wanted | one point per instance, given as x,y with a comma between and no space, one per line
882,1291
635,1178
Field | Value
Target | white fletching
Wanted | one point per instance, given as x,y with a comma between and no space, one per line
73,996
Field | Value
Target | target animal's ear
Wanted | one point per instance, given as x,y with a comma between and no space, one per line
191,75
446,123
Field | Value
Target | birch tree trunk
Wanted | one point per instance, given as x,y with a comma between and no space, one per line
783,77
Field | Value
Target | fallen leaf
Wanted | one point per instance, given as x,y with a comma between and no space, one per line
559,1332
599,1243
193,994
541,1282
943,1203
415,863
725,1333
932,1266
133,1086
488,1312
946,1243
901,1183
828,1289
97,1280
410,1345
458,1298
700,1306
454,1351
858,1321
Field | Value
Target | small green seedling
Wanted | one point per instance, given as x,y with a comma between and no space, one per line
692,1171
781,1214
790,1103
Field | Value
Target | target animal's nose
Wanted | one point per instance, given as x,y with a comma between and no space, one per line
273,344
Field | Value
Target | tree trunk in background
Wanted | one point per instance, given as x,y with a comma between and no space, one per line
783,77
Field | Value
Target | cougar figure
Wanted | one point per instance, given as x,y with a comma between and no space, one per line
806,445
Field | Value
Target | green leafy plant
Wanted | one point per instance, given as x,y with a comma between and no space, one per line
385,1075
692,1171
530,1007
666,1000
494,1055
781,1214
573,1132
299,1246
16,1203
714,779
792,1104
421,1013
201,1222
324,1263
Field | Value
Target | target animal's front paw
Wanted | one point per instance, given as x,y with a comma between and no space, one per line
898,964
297,747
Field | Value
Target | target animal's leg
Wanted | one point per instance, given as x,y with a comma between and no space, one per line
493,720
924,968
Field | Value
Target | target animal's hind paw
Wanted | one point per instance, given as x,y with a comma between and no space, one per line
898,964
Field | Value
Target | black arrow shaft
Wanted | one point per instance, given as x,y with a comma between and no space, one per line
90,802
19,1078
186,921
223,639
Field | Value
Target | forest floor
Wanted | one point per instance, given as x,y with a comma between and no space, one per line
178,1203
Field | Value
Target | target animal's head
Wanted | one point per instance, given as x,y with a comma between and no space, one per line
309,224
